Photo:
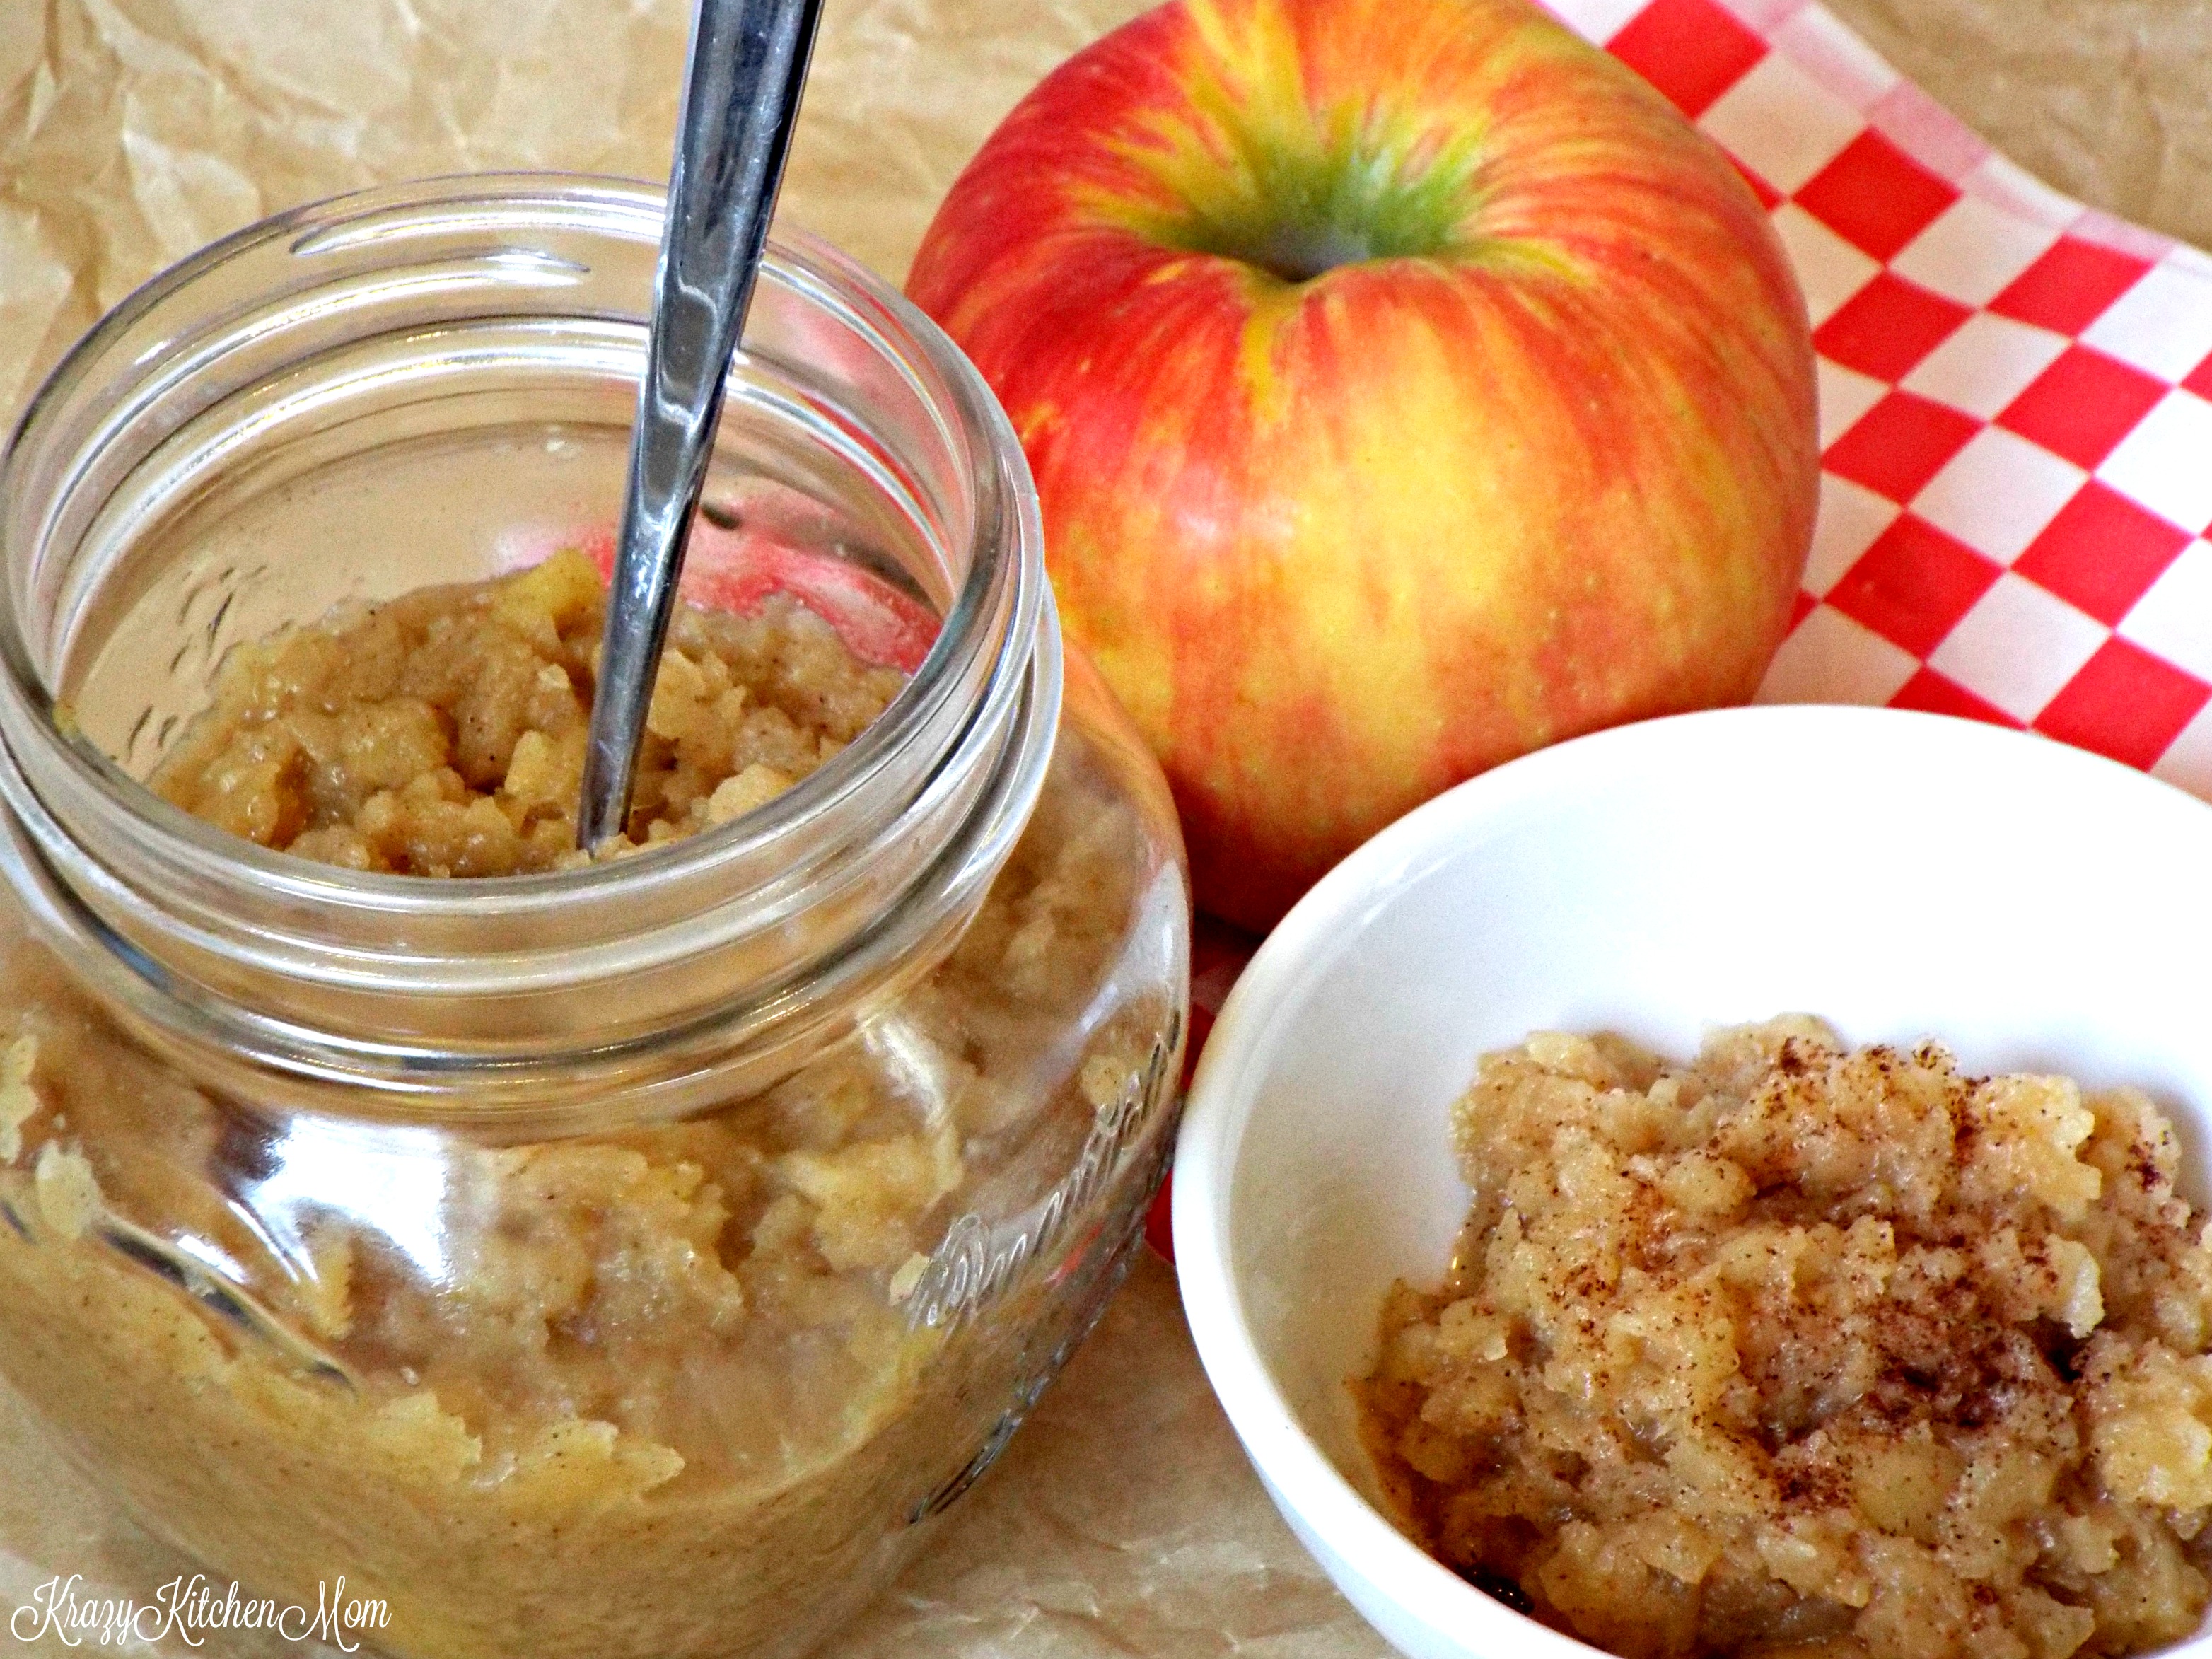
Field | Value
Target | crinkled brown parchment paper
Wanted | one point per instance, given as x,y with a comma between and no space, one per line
1124,1521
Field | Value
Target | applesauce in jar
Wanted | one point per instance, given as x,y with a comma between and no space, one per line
442,733
623,1255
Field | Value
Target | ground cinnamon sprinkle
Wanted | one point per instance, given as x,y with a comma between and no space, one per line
1801,1349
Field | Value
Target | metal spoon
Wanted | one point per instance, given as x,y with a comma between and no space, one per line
746,68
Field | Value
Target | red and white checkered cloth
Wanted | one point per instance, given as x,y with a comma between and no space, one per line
2016,475
2015,409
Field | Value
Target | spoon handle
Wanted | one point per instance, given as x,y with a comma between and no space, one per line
745,70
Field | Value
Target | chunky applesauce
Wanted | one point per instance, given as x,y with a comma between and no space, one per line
442,733
1801,1349
627,1394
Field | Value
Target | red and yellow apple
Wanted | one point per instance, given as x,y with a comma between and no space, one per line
1408,386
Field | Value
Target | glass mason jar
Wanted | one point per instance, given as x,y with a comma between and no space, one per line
631,1260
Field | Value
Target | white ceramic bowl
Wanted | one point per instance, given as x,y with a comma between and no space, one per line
1901,875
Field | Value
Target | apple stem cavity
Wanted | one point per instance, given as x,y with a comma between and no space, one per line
1298,254
1304,196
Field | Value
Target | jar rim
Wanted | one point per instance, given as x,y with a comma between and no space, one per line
264,962
193,841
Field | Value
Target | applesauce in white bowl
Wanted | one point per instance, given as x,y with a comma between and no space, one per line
2034,908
